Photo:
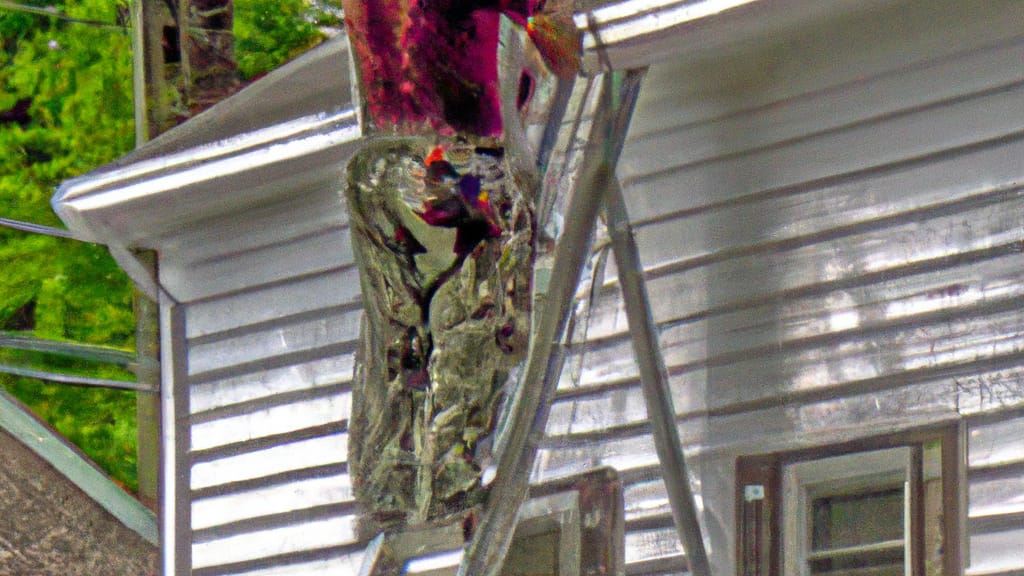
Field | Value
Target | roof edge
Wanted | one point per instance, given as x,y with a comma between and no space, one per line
108,206
631,34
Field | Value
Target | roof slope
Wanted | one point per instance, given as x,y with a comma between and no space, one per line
61,515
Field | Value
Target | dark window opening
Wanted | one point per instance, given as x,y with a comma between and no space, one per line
171,45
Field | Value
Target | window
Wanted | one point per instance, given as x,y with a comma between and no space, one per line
848,513
886,507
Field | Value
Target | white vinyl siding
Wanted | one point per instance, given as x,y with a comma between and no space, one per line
830,218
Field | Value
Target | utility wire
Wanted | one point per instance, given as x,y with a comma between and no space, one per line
36,228
72,379
91,352
54,13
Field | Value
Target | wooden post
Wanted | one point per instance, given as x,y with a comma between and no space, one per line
147,348
152,110
186,45
152,116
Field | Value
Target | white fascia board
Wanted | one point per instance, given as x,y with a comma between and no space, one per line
130,205
133,204
620,21
638,33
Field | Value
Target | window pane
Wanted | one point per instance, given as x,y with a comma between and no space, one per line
858,533
847,520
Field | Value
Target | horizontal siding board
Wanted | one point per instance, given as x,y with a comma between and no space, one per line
289,417
275,499
996,444
658,543
338,563
982,175
645,499
859,248
996,493
901,288
816,302
315,373
993,495
996,551
996,572
262,227
266,442
794,325
280,520
937,340
321,251
913,299
654,183
602,363
275,541
307,294
261,482
284,338
299,394
344,554
887,406
312,452
617,407
996,523
827,364
806,114
665,566
633,450
964,390
817,55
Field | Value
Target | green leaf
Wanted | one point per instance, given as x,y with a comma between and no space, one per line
268,33
79,81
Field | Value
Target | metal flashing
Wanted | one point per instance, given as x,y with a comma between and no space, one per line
20,423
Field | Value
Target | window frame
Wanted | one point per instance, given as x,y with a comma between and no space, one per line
760,511
803,480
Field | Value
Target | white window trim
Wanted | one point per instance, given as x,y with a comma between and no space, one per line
801,481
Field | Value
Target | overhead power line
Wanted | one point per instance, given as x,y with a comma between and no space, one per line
36,228
55,13
72,379
91,352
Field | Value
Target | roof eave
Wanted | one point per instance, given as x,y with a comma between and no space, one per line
224,161
239,153
137,204
628,34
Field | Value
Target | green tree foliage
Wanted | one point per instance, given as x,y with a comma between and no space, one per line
66,89
268,33
76,81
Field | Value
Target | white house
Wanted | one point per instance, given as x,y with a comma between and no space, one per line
828,197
